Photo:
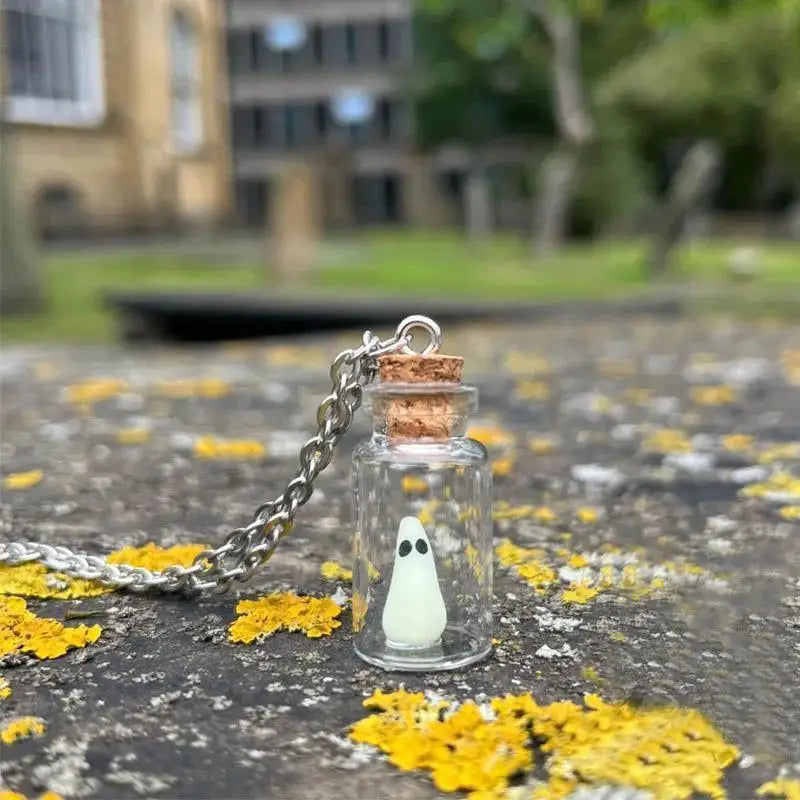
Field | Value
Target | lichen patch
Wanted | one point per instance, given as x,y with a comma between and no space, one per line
670,752
23,480
212,448
584,576
333,571
21,631
22,728
787,788
152,556
35,580
287,611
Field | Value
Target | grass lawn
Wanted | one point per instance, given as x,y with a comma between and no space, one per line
398,263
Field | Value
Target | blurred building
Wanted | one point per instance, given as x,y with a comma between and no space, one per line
116,112
324,81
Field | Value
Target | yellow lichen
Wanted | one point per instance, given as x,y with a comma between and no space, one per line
491,436
670,752
34,580
151,556
503,510
5,688
412,484
502,467
787,788
203,387
788,451
712,395
578,561
333,571
21,631
631,574
667,440
737,442
588,515
22,728
590,673
359,610
463,751
426,514
790,512
284,611
541,445
7,795
23,480
638,396
579,593
94,390
475,562
133,435
782,486
209,447
527,564
524,363
528,389
510,554
615,367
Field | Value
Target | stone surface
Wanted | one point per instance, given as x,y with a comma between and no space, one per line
163,705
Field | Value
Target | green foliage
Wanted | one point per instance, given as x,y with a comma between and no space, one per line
613,188
482,73
734,79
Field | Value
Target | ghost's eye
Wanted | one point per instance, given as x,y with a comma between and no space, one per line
422,546
405,548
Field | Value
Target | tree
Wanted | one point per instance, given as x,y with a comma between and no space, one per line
729,82
515,69
496,49
472,89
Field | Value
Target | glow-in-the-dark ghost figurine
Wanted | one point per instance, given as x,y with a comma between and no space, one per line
414,614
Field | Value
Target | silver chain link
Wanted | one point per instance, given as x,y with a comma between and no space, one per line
245,549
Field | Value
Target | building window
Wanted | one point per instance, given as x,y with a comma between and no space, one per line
317,47
351,48
383,41
377,199
54,62
252,201
187,119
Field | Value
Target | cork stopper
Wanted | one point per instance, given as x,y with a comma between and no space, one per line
428,414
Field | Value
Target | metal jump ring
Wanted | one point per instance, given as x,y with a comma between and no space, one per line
420,321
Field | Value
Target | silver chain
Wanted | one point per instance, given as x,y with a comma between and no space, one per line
245,549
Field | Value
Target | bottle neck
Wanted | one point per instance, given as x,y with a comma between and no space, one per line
453,428
420,413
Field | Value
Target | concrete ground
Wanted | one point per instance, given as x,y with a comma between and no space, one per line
640,434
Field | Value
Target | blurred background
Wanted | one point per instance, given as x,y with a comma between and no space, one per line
507,149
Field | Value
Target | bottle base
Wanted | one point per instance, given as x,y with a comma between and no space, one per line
457,648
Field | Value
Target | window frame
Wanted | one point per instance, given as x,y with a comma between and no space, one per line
185,88
90,110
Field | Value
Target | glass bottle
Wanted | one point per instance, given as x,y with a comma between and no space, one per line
422,573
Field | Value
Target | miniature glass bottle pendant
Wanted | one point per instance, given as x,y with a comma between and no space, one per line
422,573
